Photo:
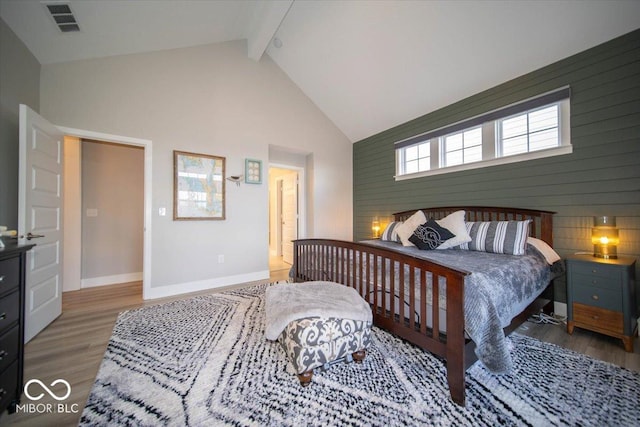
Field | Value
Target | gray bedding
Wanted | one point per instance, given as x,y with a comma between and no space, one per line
498,288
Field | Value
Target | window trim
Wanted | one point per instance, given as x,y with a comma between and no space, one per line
540,154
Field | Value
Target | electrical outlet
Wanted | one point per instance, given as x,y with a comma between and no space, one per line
220,259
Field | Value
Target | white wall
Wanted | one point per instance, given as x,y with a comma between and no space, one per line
214,100
19,84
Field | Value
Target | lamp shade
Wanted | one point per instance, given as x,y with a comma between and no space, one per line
604,237
375,227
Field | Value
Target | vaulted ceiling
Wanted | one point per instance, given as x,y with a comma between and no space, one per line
368,65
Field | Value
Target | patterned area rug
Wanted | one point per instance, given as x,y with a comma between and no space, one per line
204,361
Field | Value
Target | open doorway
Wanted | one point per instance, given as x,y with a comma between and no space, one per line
80,271
284,215
112,213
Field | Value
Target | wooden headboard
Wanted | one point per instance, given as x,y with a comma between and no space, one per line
541,225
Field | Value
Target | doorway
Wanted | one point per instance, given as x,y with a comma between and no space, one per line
41,212
72,254
285,217
112,212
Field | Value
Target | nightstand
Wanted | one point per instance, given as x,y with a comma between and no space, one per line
601,296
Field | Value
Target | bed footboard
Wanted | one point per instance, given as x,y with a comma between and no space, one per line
399,288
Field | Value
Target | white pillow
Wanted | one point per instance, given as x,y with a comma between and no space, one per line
406,229
454,223
547,251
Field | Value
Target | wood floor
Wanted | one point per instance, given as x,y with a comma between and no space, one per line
72,347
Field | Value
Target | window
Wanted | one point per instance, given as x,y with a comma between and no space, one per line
532,131
534,128
415,158
462,147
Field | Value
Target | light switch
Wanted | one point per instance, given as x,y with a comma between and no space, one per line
93,212
162,211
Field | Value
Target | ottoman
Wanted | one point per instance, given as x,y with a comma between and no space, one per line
317,323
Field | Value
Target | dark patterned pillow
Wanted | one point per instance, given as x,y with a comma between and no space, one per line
430,235
499,237
390,233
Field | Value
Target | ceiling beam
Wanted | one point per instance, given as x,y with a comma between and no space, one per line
266,21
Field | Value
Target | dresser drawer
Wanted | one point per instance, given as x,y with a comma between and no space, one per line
8,385
9,346
598,318
9,310
606,298
9,274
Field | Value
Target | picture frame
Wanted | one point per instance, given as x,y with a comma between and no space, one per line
198,186
253,171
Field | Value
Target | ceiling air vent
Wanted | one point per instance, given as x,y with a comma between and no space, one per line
63,17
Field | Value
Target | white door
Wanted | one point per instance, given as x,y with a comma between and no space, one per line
289,215
40,218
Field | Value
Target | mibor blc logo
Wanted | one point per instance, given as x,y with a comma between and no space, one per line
35,390
47,389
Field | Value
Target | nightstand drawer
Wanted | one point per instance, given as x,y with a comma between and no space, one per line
9,274
598,318
9,310
609,299
9,346
580,279
598,270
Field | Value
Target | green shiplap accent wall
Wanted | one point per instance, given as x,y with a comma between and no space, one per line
600,177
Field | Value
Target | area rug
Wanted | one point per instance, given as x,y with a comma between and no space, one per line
204,361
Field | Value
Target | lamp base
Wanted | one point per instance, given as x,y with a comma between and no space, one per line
605,251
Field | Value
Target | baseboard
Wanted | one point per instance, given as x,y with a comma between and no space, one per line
110,280
203,285
560,308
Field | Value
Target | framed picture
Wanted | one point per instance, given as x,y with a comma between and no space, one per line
198,186
253,171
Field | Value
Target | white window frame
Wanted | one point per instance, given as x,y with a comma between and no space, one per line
401,162
528,134
442,141
491,151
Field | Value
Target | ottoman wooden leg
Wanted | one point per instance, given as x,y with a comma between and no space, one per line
305,378
359,356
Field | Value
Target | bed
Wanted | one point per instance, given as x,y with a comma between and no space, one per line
420,295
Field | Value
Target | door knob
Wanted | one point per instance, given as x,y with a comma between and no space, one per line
34,236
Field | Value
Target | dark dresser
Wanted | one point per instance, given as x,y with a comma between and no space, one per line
12,297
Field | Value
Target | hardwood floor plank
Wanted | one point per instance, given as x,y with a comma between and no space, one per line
73,346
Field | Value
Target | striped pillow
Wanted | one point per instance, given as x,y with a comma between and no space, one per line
499,237
390,233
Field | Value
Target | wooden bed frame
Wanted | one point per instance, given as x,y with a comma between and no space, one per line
332,256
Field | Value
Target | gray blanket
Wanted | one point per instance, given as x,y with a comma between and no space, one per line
286,302
498,288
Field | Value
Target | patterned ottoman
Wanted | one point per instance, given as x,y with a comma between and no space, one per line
313,342
318,323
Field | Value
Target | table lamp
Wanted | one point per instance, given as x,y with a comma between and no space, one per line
604,236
